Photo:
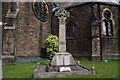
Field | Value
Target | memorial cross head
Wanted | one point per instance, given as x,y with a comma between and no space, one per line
62,14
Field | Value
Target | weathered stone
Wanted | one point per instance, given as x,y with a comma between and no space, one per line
31,32
62,16
93,70
62,59
62,62
8,59
40,72
82,44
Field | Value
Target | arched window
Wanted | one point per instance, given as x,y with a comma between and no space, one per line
70,29
12,6
107,24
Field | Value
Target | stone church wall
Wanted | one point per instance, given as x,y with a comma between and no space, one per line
27,31
4,11
110,44
30,32
80,45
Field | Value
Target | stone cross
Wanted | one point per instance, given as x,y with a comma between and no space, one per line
62,58
62,15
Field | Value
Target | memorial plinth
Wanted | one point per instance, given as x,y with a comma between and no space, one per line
62,62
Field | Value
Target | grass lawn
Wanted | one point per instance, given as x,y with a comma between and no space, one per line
103,69
25,70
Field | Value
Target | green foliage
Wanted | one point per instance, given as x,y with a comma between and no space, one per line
51,45
23,70
103,70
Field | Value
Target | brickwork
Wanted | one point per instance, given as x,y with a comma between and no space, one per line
30,32
4,12
82,17
81,44
110,44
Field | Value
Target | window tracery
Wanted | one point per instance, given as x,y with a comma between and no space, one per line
107,23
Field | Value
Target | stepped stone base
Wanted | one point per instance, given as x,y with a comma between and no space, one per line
40,71
62,64
62,58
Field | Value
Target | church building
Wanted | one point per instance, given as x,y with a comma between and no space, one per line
92,29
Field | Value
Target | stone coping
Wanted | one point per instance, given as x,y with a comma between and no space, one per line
40,72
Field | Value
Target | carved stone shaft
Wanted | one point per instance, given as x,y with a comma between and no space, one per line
62,15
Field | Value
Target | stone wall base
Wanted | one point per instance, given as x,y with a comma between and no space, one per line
8,59
111,57
96,58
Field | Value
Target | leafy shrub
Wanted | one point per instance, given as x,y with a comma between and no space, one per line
51,45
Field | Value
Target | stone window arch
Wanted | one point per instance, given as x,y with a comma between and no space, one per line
107,23
12,7
70,29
